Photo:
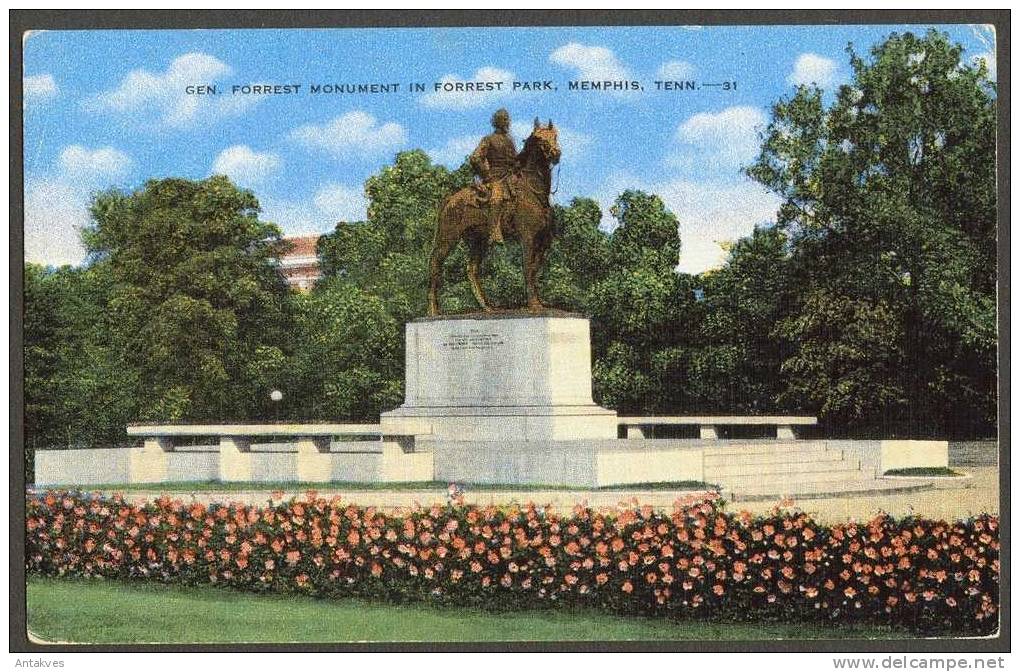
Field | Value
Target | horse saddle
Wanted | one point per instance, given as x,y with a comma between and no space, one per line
496,191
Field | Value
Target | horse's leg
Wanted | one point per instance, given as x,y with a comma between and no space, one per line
528,248
440,249
478,246
541,242
542,246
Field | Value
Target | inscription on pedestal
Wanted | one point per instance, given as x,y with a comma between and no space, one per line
499,363
473,339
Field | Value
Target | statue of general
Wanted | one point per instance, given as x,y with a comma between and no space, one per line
493,161
512,199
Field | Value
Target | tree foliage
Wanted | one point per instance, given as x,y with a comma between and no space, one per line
196,307
889,202
871,301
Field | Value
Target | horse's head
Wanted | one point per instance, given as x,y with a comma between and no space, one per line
546,140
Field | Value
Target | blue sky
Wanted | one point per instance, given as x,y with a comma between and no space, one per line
109,108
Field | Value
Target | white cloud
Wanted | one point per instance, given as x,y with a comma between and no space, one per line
723,141
455,150
93,165
55,212
591,62
56,205
161,96
330,204
341,202
355,133
708,213
675,71
713,212
39,88
245,166
463,100
813,69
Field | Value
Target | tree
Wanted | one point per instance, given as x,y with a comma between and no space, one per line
349,360
889,202
41,358
77,391
735,361
636,306
197,308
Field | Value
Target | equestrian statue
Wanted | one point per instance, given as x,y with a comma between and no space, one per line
511,199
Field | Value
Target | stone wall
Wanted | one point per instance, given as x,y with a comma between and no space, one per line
82,467
589,463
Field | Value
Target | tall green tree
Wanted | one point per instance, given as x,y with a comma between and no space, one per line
78,392
735,359
349,360
197,308
636,307
889,201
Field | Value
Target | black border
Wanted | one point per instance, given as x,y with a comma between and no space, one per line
23,20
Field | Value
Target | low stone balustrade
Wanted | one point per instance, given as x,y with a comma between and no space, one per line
639,427
383,457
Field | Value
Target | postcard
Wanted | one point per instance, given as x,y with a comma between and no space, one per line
512,334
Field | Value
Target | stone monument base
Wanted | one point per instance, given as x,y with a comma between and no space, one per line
500,377
523,423
589,463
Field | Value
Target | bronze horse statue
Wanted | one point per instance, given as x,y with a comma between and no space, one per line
529,219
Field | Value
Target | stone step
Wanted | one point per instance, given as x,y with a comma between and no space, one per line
807,455
781,481
766,447
716,473
823,490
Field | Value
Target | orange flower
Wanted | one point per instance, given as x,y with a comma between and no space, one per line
627,587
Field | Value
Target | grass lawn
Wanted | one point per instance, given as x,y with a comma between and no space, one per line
108,612
437,486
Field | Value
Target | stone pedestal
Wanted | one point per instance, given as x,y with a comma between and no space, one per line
493,378
235,459
314,464
148,464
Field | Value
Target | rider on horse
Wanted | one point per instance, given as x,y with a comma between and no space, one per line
493,161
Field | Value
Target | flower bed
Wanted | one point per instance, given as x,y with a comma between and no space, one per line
698,561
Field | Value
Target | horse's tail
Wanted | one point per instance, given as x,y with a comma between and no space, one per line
442,206
440,209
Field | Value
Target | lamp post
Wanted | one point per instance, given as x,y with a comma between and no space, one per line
276,397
